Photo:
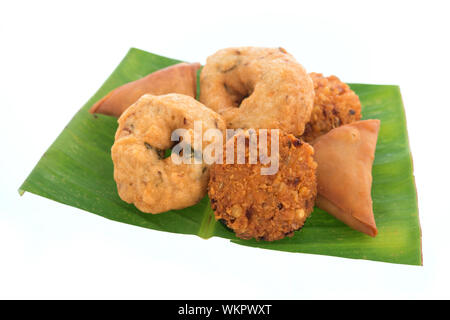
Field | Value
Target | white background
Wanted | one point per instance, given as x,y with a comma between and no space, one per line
55,55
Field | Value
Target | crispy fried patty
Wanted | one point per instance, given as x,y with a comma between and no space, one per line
335,104
267,207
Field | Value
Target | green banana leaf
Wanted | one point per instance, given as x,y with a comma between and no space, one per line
77,170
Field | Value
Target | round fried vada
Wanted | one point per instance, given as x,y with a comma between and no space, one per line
144,176
335,104
258,88
267,207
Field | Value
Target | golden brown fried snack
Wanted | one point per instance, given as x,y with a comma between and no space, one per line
267,207
258,88
180,78
144,177
335,104
344,174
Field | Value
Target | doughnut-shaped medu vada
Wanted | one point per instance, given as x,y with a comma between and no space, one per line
144,176
258,88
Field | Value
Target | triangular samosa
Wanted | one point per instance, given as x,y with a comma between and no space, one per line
344,173
179,78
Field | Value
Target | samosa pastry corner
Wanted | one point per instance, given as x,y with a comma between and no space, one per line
344,174
180,78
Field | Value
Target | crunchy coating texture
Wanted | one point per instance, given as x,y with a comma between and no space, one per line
335,104
144,177
180,78
267,207
258,88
